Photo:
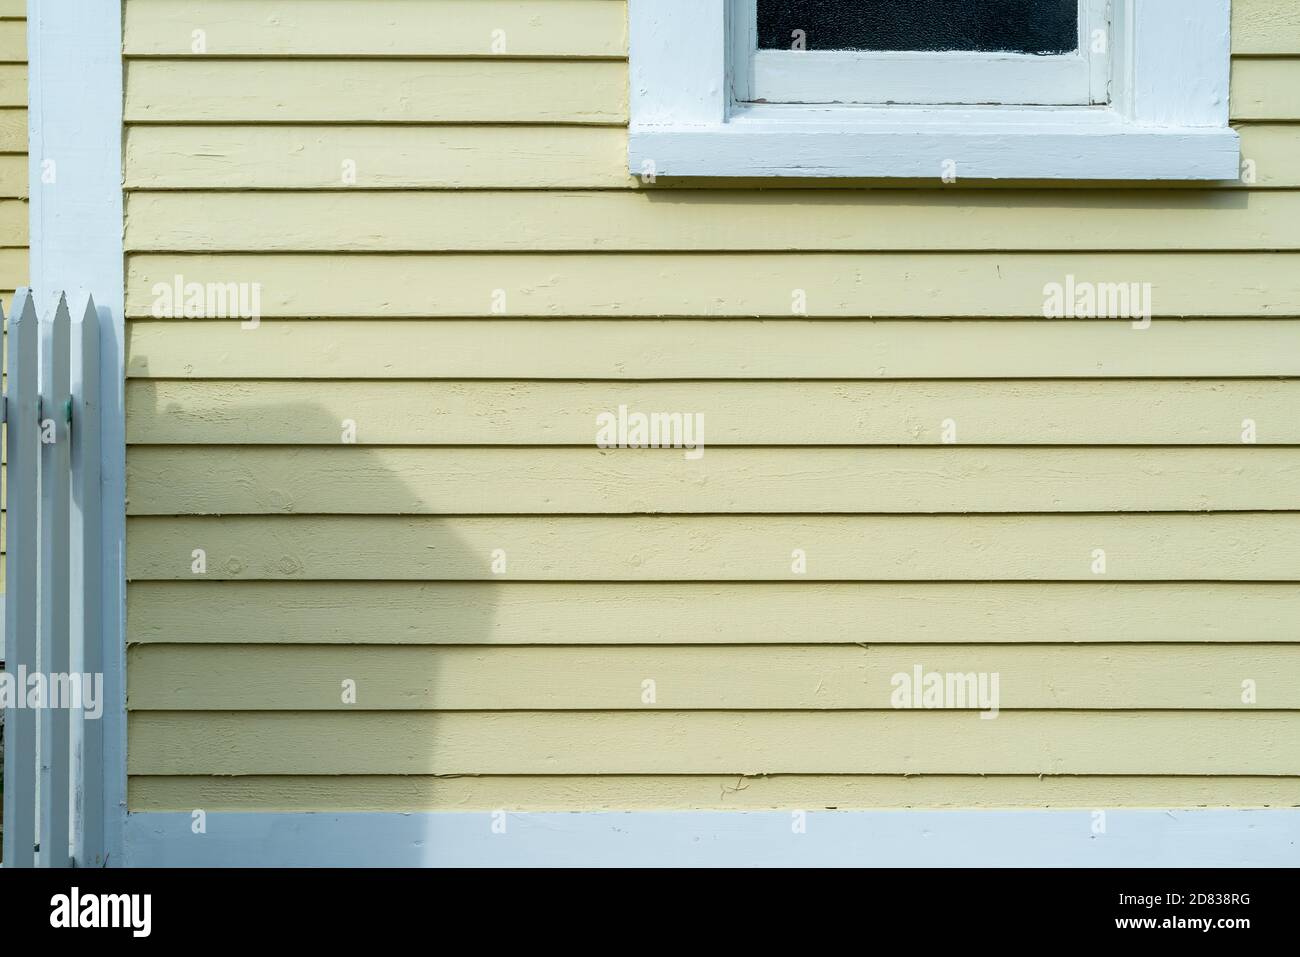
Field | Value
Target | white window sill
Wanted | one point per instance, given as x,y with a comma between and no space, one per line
1165,116
966,143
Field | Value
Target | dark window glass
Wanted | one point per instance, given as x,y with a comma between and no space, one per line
986,26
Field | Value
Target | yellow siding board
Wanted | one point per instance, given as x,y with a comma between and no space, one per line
485,156
668,742
537,27
514,613
396,157
691,792
1265,27
700,220
13,84
166,480
415,28
13,176
13,268
385,157
13,130
392,91
471,90
1108,412
826,677
1266,89
837,285
13,41
13,223
708,349
1179,547
466,90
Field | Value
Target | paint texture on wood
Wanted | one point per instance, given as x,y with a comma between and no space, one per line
706,349
247,480
694,613
1207,547
378,561
775,677
13,174
544,792
848,413
716,742
727,285
376,28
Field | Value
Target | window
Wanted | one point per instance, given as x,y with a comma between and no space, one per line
922,51
1023,89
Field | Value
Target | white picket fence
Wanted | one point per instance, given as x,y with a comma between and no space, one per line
53,755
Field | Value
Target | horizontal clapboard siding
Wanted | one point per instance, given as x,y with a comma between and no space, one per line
13,171
817,678
1211,547
452,259
380,28
310,157
241,480
685,613
475,90
543,792
202,90
846,285
1003,412
531,28
1265,27
776,220
717,742
706,349
13,150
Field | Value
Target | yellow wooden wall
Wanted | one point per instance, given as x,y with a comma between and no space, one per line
482,173
13,167
13,148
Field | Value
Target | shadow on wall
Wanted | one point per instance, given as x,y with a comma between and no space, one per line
323,564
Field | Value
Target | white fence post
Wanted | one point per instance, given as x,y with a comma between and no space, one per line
23,449
55,648
88,836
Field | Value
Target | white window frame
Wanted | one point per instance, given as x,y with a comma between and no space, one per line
1078,78
1166,115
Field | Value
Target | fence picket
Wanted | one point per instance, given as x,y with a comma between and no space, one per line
88,655
55,647
53,757
23,452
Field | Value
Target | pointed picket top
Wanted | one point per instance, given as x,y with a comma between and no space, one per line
21,353
60,315
85,314
24,309
85,330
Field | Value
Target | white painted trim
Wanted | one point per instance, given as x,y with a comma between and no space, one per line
1166,118
75,120
679,77
781,76
916,838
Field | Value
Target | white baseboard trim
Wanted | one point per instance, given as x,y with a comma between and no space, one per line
1047,838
